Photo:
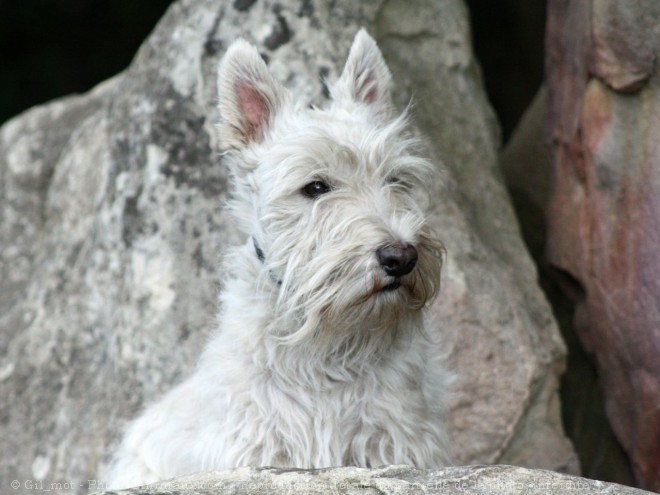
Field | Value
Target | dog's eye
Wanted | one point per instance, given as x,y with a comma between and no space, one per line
397,181
315,189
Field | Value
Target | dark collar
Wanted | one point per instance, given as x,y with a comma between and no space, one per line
258,250
260,256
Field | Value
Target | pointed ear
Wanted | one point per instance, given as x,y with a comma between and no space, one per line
366,78
249,97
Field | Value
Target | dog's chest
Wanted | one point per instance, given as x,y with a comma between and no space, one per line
364,422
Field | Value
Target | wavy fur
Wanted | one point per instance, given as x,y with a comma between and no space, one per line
312,363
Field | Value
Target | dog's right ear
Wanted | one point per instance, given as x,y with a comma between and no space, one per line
249,97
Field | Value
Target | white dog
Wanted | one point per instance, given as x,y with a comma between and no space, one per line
321,355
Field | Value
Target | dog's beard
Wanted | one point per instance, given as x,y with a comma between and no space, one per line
354,300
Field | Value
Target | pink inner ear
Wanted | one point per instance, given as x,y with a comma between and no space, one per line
371,96
254,108
370,86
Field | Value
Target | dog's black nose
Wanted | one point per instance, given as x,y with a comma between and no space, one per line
397,260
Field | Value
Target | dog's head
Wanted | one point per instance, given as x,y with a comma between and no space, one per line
333,198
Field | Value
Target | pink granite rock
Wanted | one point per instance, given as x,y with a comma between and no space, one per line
604,210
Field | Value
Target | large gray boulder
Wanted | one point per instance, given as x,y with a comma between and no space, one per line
112,226
390,480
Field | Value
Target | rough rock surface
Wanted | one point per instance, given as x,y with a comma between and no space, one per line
112,226
525,161
390,480
604,210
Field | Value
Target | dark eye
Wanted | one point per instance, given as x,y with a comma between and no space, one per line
314,189
397,181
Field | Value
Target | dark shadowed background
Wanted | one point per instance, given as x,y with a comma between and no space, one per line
51,48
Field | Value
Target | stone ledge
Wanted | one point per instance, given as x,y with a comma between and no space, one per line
399,480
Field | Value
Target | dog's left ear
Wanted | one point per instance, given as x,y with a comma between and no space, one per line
249,97
365,78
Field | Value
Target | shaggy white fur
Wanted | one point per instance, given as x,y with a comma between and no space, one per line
321,356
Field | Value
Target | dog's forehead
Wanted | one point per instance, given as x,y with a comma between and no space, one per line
351,141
